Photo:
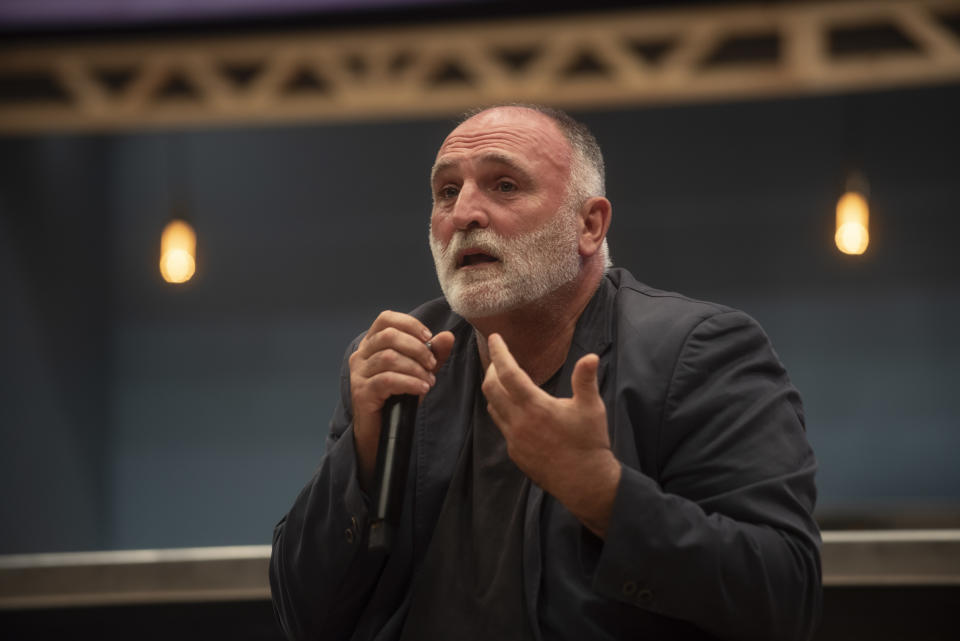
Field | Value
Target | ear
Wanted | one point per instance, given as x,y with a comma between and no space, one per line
594,222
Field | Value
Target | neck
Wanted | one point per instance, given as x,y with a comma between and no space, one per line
539,334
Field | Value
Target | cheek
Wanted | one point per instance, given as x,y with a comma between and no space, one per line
441,229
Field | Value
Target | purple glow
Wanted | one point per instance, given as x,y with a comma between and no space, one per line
38,13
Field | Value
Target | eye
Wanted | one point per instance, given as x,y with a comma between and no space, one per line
505,186
448,191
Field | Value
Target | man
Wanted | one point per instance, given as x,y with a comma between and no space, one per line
593,458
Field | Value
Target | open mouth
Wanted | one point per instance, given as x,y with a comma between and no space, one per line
472,257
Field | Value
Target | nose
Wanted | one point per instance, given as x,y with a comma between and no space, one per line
470,209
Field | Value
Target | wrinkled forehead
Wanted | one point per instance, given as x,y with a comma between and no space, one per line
510,131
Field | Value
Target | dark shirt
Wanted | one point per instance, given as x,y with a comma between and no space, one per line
471,584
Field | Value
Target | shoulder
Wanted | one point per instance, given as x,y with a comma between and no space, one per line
673,334
642,310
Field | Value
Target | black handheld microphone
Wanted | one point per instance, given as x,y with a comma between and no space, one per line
393,459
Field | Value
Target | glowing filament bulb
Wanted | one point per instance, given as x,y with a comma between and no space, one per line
853,223
178,252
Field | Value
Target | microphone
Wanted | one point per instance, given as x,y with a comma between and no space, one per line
393,459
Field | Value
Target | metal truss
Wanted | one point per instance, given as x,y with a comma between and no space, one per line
587,61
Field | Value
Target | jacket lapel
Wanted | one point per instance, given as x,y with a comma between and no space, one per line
593,334
442,424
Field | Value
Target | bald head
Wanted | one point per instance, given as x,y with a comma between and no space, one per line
511,135
587,170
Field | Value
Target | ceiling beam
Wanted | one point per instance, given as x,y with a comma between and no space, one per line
583,61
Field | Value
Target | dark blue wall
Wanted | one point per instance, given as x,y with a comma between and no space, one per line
55,344
140,414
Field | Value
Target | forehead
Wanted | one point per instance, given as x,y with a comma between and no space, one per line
524,135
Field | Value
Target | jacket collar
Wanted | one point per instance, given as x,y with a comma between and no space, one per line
592,335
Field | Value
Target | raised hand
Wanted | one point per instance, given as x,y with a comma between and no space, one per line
393,358
562,444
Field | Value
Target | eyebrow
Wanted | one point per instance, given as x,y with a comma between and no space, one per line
491,157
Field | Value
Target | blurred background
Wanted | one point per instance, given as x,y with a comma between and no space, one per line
295,138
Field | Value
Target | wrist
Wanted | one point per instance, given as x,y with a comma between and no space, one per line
591,497
365,449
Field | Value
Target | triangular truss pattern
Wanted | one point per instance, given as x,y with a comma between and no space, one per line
591,60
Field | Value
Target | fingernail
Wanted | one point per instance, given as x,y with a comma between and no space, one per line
433,380
426,334
424,388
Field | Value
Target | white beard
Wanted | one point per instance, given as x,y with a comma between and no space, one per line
530,266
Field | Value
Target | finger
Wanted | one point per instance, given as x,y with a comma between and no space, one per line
513,379
495,394
387,384
442,346
491,387
498,419
403,322
389,360
583,381
392,338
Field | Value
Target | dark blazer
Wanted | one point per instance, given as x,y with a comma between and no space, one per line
711,531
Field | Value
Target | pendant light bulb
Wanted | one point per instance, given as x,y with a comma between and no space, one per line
178,252
853,220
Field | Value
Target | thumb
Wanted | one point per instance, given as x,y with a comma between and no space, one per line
583,381
442,345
